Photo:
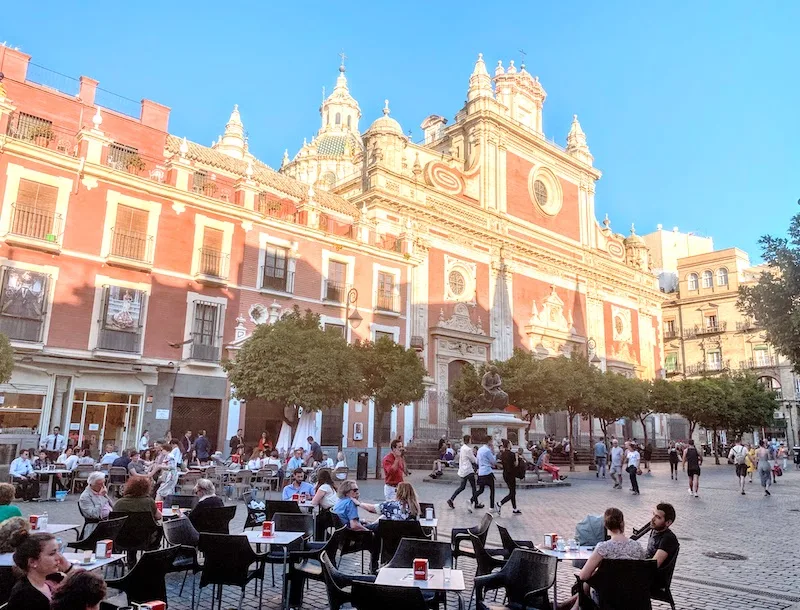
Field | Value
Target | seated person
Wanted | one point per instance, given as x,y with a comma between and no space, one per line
122,461
42,462
207,499
326,462
405,506
446,458
298,486
83,591
296,460
136,498
346,507
256,461
21,472
7,509
275,460
109,456
68,460
619,546
94,502
7,529
85,458
341,463
136,466
544,464
663,544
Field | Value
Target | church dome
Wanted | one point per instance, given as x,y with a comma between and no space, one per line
634,240
386,124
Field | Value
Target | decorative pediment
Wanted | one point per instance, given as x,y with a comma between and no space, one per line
460,321
551,331
551,316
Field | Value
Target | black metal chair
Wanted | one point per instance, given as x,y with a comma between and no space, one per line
661,587
227,562
306,564
368,596
338,584
214,520
7,581
621,584
186,501
86,520
526,577
104,530
145,581
391,533
356,541
287,522
509,544
281,506
140,532
180,534
462,534
438,554
255,516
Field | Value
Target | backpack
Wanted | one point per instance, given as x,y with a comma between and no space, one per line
738,457
522,467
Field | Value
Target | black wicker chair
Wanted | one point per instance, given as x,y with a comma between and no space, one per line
366,596
661,587
621,584
228,561
526,577
339,584
462,534
145,581
104,530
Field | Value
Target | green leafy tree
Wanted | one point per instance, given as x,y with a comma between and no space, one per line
715,410
774,301
466,393
295,363
693,395
615,398
6,359
752,405
390,375
528,385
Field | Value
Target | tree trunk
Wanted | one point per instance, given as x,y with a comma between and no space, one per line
571,442
643,421
592,463
377,416
692,425
714,447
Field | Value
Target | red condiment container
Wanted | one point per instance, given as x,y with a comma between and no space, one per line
420,569
268,529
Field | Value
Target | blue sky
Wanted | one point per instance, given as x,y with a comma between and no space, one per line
690,109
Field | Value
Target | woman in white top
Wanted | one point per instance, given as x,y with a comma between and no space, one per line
341,463
325,495
632,457
256,462
144,442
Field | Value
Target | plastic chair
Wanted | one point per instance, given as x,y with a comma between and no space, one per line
182,500
438,554
180,533
117,477
227,562
145,581
281,506
661,587
526,577
391,533
486,562
255,516
140,532
241,482
368,596
7,581
621,584
263,479
289,522
338,584
80,475
509,544
306,565
105,530
461,534
214,520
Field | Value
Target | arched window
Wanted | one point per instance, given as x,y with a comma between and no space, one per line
692,280
708,279
773,384
722,276
349,119
338,118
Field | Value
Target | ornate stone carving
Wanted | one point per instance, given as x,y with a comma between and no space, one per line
551,330
460,321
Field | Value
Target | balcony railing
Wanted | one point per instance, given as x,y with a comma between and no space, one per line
336,291
41,132
131,245
35,223
388,300
22,329
277,279
758,363
212,263
119,341
205,348
747,325
669,335
711,329
703,368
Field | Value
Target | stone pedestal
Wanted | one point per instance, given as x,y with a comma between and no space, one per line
497,426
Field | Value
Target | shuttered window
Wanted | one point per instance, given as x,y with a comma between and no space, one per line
37,196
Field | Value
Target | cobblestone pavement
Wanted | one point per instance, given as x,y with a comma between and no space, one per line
720,520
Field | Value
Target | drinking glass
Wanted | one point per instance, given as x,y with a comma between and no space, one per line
447,571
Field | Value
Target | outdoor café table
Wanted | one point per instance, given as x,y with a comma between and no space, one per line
46,475
7,560
404,577
431,524
57,528
169,513
580,554
278,539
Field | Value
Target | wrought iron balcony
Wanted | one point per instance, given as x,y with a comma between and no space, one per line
204,348
669,335
759,363
119,341
277,279
336,291
133,246
212,265
707,368
388,300
747,325
711,329
36,224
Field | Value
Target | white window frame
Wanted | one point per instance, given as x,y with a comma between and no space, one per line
191,298
51,295
710,362
693,281
200,223
113,201
100,283
350,274
397,274
375,328
264,240
722,272
14,173
761,355
707,275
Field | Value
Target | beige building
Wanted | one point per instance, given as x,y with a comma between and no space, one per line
705,333
667,247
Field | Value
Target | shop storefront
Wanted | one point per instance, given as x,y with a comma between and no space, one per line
101,418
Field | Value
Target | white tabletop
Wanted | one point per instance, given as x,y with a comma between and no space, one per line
404,577
54,471
305,504
429,522
168,512
280,538
57,528
7,560
581,553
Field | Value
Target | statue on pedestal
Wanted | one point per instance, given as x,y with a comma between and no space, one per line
494,397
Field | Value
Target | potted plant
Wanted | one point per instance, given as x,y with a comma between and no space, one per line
135,163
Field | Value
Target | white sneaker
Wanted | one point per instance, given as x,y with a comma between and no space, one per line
696,495
691,493
497,510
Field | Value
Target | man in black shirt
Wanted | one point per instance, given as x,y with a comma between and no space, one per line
315,455
663,544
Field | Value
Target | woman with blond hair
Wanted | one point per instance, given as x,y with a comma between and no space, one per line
405,506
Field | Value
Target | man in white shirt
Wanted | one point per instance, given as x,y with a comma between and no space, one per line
466,471
739,454
296,461
21,471
486,463
54,443
110,455
617,453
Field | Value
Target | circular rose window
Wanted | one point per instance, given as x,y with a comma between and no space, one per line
540,192
456,282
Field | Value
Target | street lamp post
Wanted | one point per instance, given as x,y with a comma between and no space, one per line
353,319
591,346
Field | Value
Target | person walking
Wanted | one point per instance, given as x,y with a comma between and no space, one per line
632,458
738,454
673,461
600,455
751,461
486,462
764,469
647,454
202,448
510,463
617,455
693,460
466,472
